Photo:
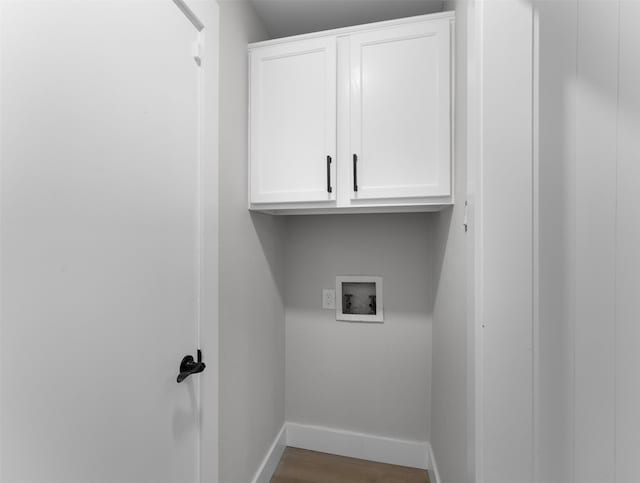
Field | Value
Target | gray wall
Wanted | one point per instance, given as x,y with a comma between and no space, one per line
372,378
556,208
449,379
251,257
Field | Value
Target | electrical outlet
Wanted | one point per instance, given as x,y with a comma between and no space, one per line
328,298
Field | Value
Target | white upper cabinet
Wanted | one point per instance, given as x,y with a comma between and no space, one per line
293,122
353,120
400,112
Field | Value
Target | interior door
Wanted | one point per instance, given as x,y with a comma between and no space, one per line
99,237
401,112
293,122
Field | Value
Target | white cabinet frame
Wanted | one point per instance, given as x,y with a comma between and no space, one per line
402,195
296,152
439,185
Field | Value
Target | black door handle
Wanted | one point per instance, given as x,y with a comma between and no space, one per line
355,172
329,188
188,366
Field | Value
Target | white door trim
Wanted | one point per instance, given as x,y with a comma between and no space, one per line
503,329
205,16
474,243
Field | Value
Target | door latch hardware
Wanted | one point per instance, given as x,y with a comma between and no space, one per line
188,366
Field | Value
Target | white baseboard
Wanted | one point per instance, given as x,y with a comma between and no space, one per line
271,460
434,476
359,445
416,454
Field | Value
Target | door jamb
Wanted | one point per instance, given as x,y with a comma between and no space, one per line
204,16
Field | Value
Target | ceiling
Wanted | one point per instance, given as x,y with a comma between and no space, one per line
292,17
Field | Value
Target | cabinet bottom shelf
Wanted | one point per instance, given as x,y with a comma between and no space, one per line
336,210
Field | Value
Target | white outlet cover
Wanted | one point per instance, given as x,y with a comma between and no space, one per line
328,298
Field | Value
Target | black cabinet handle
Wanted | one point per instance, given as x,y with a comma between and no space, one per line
188,366
329,188
355,172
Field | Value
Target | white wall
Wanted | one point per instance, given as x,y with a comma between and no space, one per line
251,277
449,387
371,378
593,170
561,405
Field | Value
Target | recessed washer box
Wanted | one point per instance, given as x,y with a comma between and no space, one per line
359,298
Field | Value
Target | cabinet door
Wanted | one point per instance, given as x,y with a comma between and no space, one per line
293,122
401,112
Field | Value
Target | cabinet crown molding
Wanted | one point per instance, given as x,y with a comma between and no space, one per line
450,15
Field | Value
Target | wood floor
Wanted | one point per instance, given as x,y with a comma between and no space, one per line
303,466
